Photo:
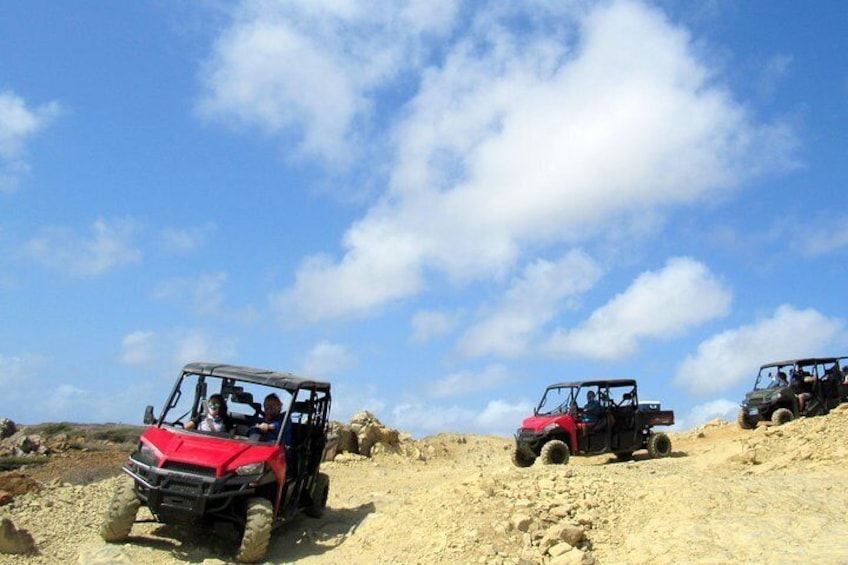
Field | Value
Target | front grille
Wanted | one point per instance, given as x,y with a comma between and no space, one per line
189,468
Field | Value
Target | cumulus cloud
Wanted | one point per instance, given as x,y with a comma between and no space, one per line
657,305
464,382
555,137
18,124
312,67
109,246
734,356
532,300
326,359
431,324
138,348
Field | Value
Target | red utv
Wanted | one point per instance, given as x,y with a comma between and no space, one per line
615,423
202,477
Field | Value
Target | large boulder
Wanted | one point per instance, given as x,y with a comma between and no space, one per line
366,435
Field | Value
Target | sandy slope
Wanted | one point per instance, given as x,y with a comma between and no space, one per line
773,495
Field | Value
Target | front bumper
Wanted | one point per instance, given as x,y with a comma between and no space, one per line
188,493
529,441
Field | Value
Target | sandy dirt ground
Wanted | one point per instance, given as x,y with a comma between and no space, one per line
725,495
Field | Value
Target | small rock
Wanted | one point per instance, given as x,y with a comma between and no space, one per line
13,540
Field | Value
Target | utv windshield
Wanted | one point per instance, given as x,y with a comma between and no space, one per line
772,377
557,400
237,401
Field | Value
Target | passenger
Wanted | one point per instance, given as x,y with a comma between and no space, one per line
802,383
781,379
213,419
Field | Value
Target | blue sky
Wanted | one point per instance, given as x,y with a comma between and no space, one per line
441,207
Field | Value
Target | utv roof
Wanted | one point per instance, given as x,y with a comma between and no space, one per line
804,361
286,381
601,382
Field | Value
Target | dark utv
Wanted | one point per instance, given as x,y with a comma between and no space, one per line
776,392
619,424
203,477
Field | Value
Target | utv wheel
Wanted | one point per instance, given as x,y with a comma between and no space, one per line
320,492
121,513
521,459
257,530
555,452
659,445
745,421
782,416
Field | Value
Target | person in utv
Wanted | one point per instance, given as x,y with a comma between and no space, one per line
213,419
270,425
592,409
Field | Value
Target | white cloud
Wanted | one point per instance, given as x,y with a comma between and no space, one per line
205,294
109,246
464,382
657,305
498,417
312,67
515,143
21,368
734,356
175,347
187,240
431,324
18,124
532,301
699,415
824,236
138,348
327,359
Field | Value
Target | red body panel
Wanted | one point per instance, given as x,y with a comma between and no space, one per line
564,421
222,454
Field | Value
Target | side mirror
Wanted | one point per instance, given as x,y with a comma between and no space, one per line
148,415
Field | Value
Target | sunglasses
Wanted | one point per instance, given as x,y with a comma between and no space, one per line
215,405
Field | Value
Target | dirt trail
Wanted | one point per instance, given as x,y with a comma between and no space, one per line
724,496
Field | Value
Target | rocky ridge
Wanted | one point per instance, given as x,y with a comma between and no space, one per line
725,495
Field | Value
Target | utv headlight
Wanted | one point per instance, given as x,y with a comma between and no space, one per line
250,469
551,426
774,397
147,455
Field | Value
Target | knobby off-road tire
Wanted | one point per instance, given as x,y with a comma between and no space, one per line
555,452
659,445
745,421
121,513
320,492
521,459
782,416
257,530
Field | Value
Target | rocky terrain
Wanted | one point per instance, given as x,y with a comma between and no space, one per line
774,494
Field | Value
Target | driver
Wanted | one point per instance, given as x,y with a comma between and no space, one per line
592,409
268,428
